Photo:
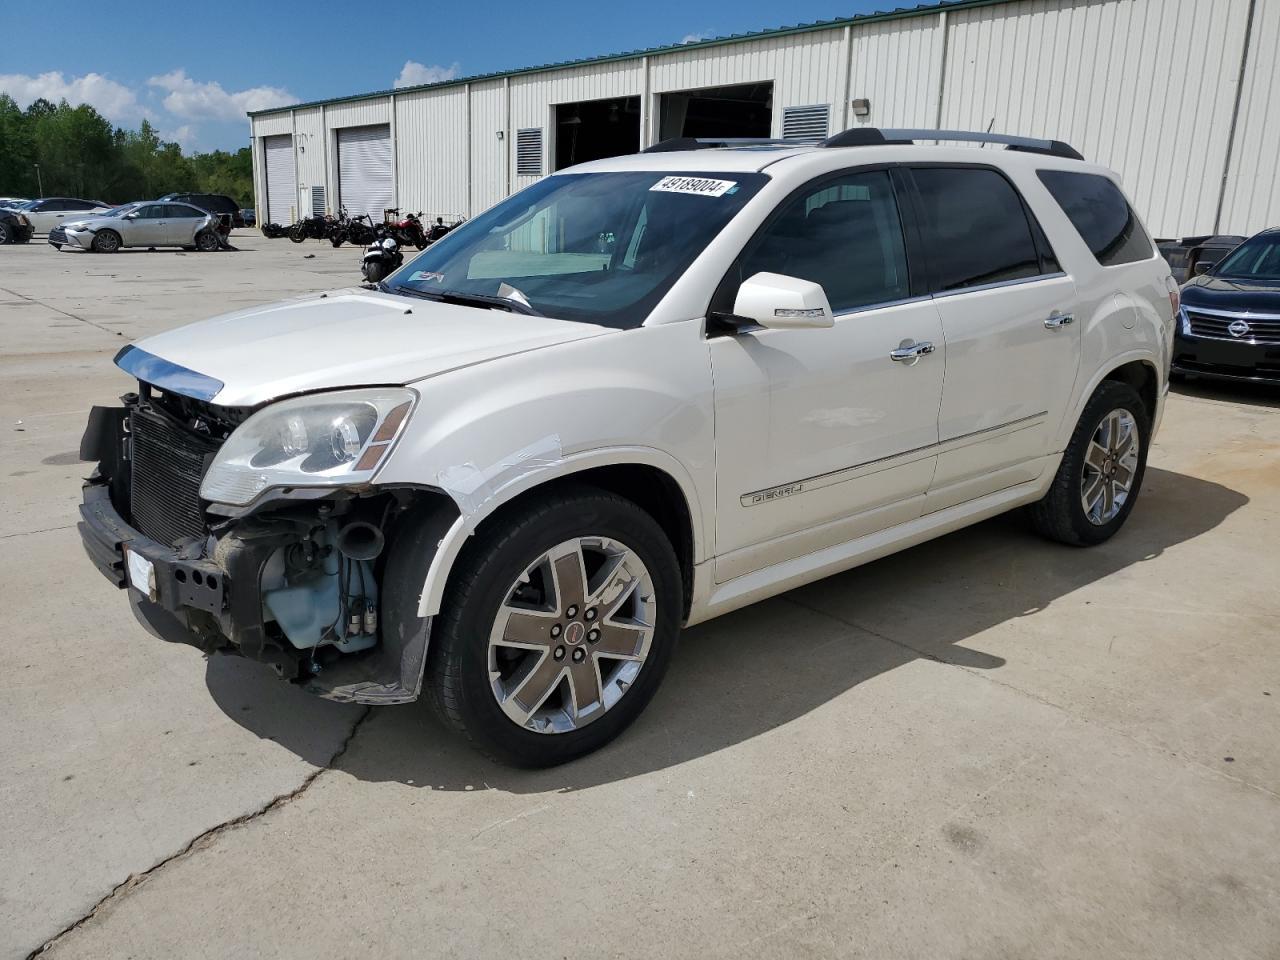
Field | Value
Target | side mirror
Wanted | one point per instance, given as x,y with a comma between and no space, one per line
131,215
1202,267
783,303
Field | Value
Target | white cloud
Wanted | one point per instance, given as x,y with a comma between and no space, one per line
415,73
193,100
114,101
184,136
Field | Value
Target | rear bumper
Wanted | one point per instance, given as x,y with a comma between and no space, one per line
1226,359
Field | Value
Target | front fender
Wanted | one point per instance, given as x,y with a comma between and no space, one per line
489,433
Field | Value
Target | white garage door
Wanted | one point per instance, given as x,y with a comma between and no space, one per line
282,189
364,170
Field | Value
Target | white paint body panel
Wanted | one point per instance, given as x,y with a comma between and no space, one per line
918,450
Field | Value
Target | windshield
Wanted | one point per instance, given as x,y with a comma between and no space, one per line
118,211
593,247
1255,259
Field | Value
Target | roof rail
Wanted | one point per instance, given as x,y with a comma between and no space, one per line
870,136
710,143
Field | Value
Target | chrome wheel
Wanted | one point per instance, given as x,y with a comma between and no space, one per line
1110,465
572,634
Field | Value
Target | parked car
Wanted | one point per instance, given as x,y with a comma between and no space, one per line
7,202
1229,325
1192,256
146,224
213,202
47,213
249,216
506,476
14,227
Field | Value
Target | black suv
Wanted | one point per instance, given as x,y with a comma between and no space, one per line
1229,325
213,202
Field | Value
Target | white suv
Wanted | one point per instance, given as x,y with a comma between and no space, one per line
641,393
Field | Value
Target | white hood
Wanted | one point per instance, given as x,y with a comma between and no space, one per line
348,338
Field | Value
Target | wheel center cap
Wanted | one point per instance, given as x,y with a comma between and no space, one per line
574,633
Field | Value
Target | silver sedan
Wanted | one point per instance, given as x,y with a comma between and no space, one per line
167,224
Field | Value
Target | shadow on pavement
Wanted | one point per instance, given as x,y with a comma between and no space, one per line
747,673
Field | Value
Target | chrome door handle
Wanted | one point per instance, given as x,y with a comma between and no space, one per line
910,352
1056,320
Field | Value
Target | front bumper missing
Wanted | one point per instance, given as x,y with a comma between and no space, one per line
207,593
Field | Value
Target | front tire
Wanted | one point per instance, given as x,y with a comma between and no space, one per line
5,235
1101,472
297,234
559,622
106,241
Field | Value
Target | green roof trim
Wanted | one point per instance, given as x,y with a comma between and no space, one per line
901,13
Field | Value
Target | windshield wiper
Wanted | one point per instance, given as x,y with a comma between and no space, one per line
487,301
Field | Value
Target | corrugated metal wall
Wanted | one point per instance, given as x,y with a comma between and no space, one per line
309,146
431,147
1147,87
805,69
1252,199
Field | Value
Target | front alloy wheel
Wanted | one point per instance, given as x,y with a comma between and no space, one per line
559,620
572,635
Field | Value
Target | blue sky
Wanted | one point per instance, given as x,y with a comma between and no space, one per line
194,68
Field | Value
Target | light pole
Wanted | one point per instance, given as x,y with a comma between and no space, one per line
39,179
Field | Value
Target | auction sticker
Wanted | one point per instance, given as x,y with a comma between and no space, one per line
698,186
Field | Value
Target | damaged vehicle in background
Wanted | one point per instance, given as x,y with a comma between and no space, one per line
142,224
641,393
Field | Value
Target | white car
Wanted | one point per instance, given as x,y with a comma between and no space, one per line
638,394
49,212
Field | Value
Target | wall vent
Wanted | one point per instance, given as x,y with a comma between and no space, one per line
806,124
529,152
317,201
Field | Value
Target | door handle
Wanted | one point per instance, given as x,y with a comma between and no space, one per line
1056,320
910,352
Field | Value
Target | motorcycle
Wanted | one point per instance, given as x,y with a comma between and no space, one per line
381,259
314,227
406,230
358,230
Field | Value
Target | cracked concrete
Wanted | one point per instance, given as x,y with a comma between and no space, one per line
985,746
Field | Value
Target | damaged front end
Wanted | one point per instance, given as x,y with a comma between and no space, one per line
301,578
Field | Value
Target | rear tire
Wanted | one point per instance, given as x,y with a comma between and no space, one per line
106,241
207,241
631,606
1101,472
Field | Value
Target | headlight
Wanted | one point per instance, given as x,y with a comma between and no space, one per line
328,439
22,219
1184,321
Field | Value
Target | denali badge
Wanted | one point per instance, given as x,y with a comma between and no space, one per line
1238,328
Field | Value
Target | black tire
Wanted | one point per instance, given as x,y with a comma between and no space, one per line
1060,515
5,235
297,234
207,241
106,241
374,271
457,677
336,240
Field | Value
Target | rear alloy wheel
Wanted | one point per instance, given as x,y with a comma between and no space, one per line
1101,470
207,241
106,241
559,622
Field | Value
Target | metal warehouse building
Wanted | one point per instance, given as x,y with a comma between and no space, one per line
1182,97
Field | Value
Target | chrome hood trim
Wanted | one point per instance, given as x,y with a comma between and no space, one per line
167,375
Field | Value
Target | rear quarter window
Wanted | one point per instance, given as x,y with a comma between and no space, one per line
1101,215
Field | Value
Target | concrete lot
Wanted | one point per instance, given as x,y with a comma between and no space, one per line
988,746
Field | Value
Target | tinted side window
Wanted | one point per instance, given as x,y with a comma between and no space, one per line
843,233
180,211
154,211
975,227
50,206
79,205
1099,212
